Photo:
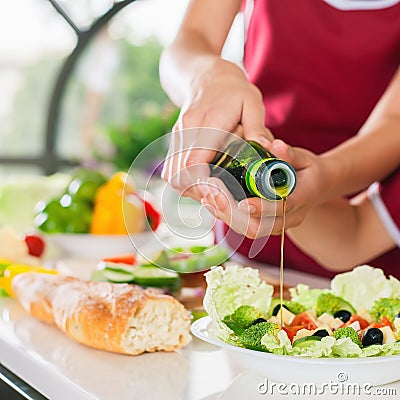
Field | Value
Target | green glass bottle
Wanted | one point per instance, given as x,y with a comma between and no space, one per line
248,170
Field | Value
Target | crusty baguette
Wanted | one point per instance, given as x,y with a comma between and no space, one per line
121,318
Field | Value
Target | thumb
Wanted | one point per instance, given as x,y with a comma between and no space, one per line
253,117
297,157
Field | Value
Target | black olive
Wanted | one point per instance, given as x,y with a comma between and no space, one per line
343,315
398,315
372,336
258,321
277,308
321,333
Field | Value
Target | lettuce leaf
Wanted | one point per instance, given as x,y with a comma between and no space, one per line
230,288
278,345
363,285
304,295
322,348
345,347
387,349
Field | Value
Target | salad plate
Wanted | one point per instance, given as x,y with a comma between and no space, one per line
368,371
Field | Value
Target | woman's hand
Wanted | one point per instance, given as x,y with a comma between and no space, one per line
255,217
223,101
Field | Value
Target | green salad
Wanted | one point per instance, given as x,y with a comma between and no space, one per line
359,316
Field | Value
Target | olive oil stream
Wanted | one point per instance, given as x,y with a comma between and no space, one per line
282,259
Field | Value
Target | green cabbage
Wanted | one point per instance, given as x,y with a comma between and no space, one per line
19,195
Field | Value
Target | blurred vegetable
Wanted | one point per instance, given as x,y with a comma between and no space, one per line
85,184
129,259
14,249
19,195
143,275
35,245
13,270
72,212
152,215
116,209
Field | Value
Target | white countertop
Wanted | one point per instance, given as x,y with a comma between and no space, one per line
62,369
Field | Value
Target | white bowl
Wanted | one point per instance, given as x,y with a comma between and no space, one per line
96,246
296,370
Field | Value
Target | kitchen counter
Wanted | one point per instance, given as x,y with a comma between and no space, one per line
60,369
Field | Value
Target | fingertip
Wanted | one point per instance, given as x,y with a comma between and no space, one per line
281,149
246,207
208,207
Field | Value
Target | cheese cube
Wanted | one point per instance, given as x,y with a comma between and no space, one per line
336,323
388,335
325,318
287,316
302,333
324,326
396,325
355,325
275,320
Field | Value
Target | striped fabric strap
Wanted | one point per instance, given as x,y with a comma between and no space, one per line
383,213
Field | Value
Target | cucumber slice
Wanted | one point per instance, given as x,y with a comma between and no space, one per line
127,269
159,259
306,341
202,259
197,249
98,276
156,277
197,314
117,276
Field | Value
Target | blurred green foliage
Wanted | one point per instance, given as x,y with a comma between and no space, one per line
129,140
138,107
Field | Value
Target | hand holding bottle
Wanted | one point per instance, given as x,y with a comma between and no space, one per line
221,98
256,217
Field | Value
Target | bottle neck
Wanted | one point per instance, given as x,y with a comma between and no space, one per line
270,179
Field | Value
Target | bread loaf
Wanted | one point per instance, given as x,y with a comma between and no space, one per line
120,318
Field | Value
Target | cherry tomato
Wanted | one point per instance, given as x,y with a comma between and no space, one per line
35,245
384,322
304,320
292,330
363,323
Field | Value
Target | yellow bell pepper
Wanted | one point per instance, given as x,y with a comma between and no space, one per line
15,269
117,211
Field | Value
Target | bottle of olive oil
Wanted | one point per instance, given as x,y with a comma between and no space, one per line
248,170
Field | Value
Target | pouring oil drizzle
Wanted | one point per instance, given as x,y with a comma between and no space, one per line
281,261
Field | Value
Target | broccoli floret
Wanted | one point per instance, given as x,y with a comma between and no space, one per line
251,337
385,307
329,303
349,332
242,318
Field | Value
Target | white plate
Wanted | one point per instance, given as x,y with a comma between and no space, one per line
96,246
319,371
